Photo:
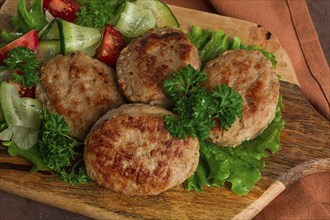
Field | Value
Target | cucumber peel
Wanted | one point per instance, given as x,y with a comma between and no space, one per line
162,13
134,20
63,37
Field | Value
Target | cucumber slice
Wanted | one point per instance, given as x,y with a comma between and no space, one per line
74,37
24,112
91,50
163,14
50,32
135,20
48,49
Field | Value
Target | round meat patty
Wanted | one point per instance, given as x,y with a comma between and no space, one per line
130,151
251,74
149,59
80,88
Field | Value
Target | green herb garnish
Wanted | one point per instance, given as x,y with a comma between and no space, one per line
23,60
196,107
59,150
97,13
239,166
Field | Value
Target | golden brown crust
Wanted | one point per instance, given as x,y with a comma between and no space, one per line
146,62
251,74
132,152
80,88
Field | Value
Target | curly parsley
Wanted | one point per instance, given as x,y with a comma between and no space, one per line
97,13
23,62
59,150
196,107
240,166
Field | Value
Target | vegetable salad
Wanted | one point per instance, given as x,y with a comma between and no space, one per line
102,29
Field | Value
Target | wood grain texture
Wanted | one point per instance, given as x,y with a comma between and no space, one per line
305,150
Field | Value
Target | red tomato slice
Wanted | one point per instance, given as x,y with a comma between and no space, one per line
65,9
29,40
24,92
111,46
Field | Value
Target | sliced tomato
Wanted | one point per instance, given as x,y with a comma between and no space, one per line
24,91
29,40
65,9
111,46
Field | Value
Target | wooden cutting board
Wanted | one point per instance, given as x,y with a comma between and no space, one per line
305,150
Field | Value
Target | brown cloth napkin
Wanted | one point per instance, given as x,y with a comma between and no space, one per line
306,199
290,21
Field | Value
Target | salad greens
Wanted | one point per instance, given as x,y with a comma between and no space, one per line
40,137
26,19
3,125
60,151
32,154
196,107
97,13
240,166
23,60
22,130
211,44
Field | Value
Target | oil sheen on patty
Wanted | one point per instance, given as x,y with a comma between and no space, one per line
79,88
251,74
149,59
130,151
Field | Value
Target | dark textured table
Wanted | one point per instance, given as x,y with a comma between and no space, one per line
15,207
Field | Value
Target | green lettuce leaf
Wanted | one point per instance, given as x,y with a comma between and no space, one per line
27,18
239,166
32,154
23,137
211,44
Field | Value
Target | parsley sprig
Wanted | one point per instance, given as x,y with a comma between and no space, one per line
240,166
23,62
196,107
97,13
59,150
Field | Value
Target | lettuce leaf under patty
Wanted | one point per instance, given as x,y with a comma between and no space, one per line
239,166
211,44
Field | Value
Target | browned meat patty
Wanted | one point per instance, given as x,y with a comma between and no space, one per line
251,74
80,88
130,151
146,62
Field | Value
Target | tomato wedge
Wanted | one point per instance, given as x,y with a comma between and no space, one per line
111,46
65,9
24,91
29,40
